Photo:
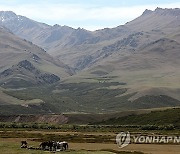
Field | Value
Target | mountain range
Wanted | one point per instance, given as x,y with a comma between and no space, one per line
141,57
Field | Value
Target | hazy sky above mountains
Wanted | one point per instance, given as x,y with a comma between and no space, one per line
92,14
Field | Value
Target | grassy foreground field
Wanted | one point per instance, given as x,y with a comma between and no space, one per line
99,142
12,146
96,138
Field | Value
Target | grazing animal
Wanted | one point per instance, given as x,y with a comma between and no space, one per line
62,145
24,144
47,145
43,145
50,145
65,145
54,146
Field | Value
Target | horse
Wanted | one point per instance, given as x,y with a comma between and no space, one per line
62,146
65,145
24,144
43,145
54,146
47,144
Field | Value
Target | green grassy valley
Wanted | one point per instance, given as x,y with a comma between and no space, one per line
94,97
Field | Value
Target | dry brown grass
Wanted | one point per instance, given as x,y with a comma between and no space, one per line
146,148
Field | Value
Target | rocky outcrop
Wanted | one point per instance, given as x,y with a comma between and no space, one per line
6,73
26,72
49,78
26,64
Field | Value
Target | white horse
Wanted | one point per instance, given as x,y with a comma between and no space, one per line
61,146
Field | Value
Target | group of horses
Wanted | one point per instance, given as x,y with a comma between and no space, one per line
54,146
48,145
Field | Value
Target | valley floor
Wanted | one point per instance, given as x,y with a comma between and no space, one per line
10,143
145,148
11,146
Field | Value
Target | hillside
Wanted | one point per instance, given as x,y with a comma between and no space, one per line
147,60
22,62
157,118
94,97
22,65
84,118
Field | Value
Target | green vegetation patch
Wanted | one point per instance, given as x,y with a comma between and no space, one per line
83,97
167,119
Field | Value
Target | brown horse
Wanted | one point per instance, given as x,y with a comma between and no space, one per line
47,145
24,144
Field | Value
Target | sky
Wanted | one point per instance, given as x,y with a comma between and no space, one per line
88,14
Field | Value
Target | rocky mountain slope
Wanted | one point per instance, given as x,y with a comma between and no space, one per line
147,60
25,64
80,48
70,45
